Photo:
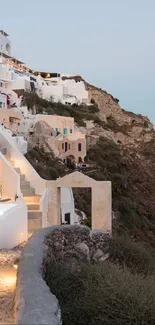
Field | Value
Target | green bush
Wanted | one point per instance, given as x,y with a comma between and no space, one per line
138,257
102,294
47,166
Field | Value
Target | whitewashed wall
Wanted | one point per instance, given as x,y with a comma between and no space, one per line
13,224
67,204
9,179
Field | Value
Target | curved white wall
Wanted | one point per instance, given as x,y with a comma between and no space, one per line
13,224
67,203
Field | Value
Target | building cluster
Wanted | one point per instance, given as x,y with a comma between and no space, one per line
63,136
27,201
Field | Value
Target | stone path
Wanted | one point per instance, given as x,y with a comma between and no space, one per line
8,284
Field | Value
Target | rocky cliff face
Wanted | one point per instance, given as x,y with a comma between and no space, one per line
120,125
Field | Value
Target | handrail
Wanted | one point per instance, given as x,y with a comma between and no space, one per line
13,188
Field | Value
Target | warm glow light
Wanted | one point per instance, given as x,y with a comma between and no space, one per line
9,280
15,266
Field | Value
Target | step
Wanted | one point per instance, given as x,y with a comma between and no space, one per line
34,214
32,199
24,184
22,177
3,151
28,191
2,200
33,206
7,157
17,169
12,163
34,224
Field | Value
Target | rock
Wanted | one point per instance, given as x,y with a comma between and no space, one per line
99,256
104,258
83,250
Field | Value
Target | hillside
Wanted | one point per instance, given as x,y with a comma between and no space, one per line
128,164
121,149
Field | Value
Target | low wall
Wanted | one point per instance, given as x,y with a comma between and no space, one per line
34,303
13,224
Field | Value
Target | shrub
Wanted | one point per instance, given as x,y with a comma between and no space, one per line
94,108
102,294
134,255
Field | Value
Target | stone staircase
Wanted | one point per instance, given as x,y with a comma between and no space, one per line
31,200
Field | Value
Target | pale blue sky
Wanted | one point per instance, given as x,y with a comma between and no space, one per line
111,43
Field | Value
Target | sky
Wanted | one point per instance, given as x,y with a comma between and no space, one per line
110,43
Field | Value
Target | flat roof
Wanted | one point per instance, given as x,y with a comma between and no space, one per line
4,33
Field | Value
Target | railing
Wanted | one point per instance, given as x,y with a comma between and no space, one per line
10,180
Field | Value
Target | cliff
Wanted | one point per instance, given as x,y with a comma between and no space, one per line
121,126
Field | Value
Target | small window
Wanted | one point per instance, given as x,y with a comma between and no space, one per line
63,146
79,146
69,146
64,131
71,130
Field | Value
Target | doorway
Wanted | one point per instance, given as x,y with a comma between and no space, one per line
67,218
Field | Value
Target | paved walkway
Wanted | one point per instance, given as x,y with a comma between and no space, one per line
7,284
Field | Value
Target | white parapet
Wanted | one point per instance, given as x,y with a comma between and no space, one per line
13,224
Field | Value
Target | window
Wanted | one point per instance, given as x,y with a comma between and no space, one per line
79,146
1,104
63,146
71,130
69,146
64,131
1,84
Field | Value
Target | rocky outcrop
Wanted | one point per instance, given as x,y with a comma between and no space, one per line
118,125
72,244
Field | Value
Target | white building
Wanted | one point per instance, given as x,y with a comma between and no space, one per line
24,196
15,78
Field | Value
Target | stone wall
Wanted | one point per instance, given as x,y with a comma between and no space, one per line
34,303
72,244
